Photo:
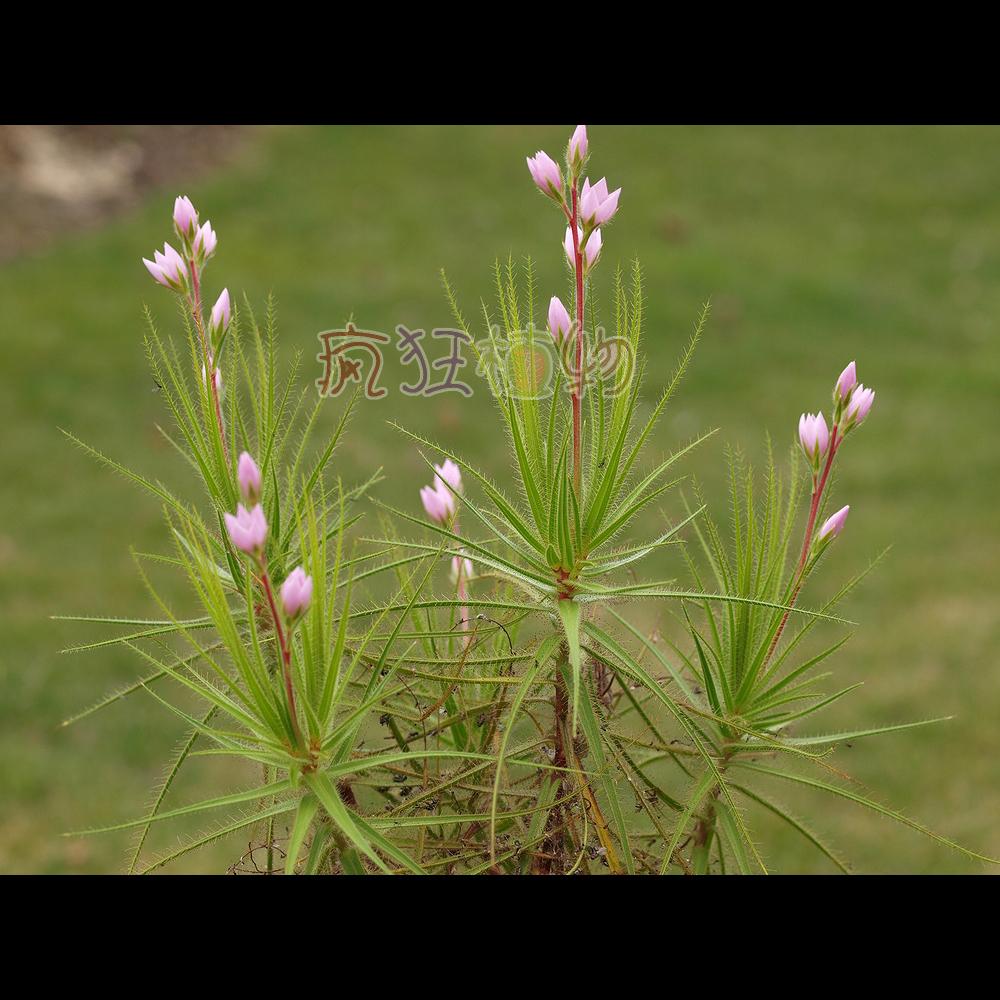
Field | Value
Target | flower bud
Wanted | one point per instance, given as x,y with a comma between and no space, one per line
814,436
591,251
559,321
205,241
596,205
577,151
168,268
247,529
834,524
185,218
221,313
296,593
248,476
546,174
449,473
438,502
846,383
859,406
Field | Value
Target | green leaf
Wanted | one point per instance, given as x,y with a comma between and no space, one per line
867,803
304,815
250,795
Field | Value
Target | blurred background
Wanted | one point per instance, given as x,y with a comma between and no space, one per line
815,246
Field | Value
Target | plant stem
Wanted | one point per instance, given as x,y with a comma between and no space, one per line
705,829
818,487
578,389
286,652
195,302
553,846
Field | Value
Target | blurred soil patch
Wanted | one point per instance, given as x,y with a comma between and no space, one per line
55,179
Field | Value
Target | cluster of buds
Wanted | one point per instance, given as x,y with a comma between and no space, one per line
852,402
438,499
248,530
180,272
587,209
248,527
198,243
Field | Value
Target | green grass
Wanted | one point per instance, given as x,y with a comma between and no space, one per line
815,245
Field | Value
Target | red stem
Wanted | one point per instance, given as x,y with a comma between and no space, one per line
286,652
817,494
195,303
578,390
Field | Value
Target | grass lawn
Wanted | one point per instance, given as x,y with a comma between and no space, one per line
815,246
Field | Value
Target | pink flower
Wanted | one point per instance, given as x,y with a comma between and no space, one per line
438,502
449,473
559,321
296,592
546,174
466,568
596,205
248,476
847,381
248,529
221,312
833,525
814,435
205,241
591,251
860,404
185,217
168,268
577,152
156,271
